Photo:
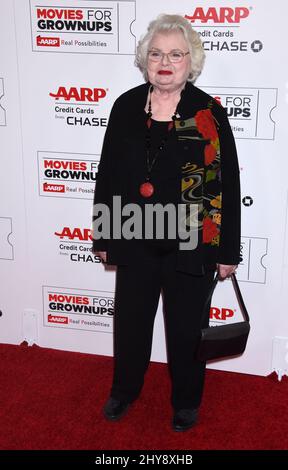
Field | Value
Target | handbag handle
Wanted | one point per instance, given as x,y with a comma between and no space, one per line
240,298
237,292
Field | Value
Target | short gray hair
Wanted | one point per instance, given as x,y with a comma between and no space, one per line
166,23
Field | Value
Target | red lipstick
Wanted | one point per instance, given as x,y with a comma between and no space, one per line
165,72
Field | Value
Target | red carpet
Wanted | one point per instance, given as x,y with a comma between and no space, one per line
52,400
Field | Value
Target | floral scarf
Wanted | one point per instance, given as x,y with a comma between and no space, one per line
201,175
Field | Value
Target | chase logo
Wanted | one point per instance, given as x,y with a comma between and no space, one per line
247,201
222,29
257,46
2,109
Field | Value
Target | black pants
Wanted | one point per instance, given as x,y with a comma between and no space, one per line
137,295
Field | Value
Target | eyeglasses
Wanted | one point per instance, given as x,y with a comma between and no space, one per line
173,56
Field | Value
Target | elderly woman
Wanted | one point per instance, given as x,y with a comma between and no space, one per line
167,143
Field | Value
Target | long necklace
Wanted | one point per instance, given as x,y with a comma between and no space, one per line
147,188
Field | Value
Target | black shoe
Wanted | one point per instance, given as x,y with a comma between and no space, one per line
184,419
114,409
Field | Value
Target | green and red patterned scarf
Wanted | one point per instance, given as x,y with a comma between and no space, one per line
201,175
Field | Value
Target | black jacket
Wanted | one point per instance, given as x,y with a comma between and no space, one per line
126,133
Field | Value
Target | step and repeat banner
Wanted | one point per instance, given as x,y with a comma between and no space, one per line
62,65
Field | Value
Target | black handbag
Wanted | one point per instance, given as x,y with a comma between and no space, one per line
225,340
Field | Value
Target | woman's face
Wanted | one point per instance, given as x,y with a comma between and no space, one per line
164,74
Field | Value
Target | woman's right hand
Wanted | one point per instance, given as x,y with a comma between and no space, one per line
102,255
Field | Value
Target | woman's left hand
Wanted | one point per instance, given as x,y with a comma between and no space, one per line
225,270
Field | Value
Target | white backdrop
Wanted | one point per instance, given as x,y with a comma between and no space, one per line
58,82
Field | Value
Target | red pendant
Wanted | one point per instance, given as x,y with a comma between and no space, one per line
146,189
